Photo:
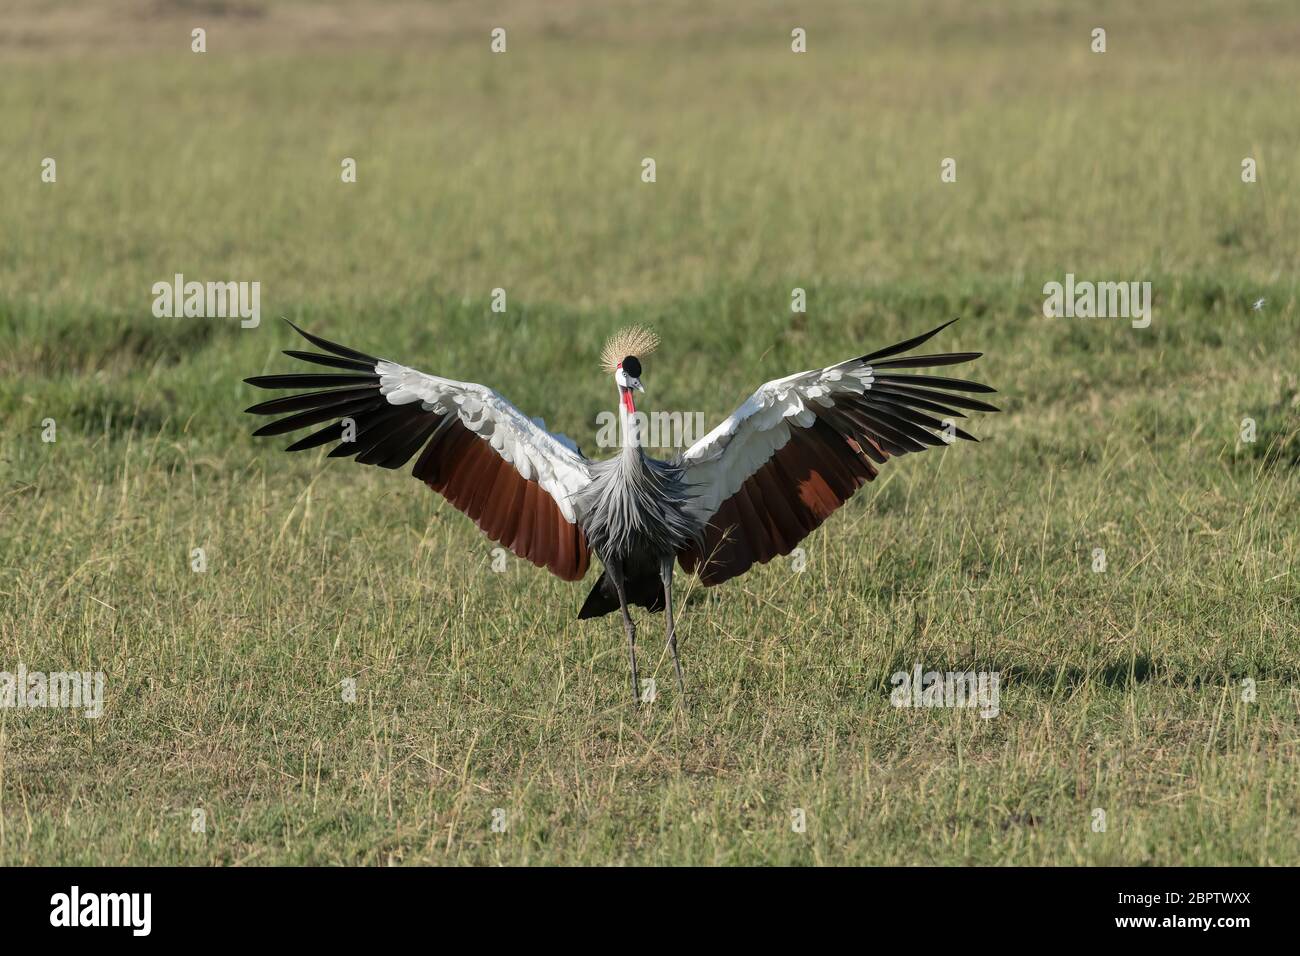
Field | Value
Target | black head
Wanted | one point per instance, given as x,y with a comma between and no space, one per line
632,366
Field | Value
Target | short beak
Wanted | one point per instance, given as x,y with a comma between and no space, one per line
636,383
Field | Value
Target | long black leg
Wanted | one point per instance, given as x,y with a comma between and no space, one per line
615,570
666,575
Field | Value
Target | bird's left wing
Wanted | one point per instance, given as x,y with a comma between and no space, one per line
517,480
800,446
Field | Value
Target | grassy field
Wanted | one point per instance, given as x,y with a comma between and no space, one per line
1122,691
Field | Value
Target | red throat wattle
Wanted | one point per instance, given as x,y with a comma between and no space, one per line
627,400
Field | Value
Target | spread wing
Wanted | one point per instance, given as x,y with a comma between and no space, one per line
513,477
800,446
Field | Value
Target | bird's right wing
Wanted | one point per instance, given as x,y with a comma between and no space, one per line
800,446
517,480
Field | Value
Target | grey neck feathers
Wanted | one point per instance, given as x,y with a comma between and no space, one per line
635,505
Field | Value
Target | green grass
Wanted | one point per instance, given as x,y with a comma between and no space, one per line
1121,690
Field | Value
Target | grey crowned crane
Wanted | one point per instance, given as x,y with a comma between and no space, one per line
749,490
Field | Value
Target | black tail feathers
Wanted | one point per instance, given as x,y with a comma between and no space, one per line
646,591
